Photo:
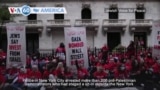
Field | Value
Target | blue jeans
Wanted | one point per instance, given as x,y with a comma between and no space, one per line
17,85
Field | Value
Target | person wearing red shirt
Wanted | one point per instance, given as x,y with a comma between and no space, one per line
100,73
59,72
128,65
92,59
131,49
60,52
100,63
111,65
12,72
67,73
81,71
48,71
104,52
149,61
156,67
34,73
18,82
120,72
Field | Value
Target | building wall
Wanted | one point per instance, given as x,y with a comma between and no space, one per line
74,12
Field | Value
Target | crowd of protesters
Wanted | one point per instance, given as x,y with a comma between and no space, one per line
132,64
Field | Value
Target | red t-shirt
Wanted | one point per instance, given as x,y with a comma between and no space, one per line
99,64
82,72
92,59
120,74
128,66
68,75
149,62
156,68
110,66
21,77
2,79
59,71
28,61
13,71
47,73
60,53
34,74
105,48
100,75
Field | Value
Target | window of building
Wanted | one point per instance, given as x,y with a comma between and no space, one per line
140,12
32,17
86,13
58,16
113,13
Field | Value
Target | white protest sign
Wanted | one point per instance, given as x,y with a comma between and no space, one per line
156,39
76,46
16,50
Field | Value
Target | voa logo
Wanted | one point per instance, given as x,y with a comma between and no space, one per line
26,10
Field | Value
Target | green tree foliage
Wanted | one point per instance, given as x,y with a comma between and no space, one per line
4,14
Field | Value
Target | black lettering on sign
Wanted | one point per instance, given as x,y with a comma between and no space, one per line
15,59
78,56
76,39
14,41
15,36
14,53
76,51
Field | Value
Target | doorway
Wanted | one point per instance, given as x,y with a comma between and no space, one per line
113,39
32,42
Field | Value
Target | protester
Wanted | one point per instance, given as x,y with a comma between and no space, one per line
100,73
60,52
12,73
131,49
18,82
81,71
34,61
104,52
34,74
120,72
68,74
59,72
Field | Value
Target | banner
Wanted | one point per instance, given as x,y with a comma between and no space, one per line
16,50
156,39
76,46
